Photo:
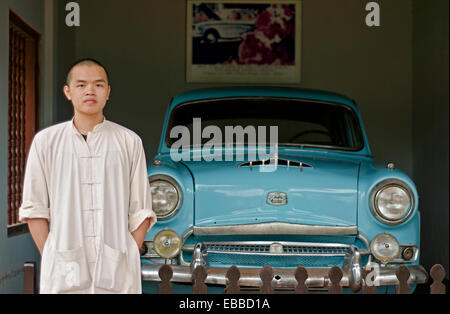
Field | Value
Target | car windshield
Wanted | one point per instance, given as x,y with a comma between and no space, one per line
299,123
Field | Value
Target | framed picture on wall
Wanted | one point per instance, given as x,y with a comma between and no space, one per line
231,41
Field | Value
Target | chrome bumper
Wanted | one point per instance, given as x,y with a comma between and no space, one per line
284,279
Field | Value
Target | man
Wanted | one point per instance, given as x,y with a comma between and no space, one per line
86,196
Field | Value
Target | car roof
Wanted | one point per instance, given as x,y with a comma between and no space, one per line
283,92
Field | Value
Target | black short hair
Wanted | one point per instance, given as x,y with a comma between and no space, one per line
87,61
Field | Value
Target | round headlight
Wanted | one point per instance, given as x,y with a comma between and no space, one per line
385,247
167,243
166,196
392,202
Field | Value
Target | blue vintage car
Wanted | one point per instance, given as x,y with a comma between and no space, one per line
281,177
212,32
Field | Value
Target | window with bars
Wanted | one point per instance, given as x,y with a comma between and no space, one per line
22,109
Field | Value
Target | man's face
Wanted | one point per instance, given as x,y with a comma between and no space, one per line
88,89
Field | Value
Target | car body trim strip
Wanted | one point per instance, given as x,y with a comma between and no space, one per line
275,228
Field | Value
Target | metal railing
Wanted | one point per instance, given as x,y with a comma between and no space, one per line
437,274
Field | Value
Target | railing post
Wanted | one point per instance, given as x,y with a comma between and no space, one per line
437,272
29,278
368,288
165,273
266,274
335,275
233,275
403,276
301,274
198,277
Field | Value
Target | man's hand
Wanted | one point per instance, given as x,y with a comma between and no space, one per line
140,232
39,231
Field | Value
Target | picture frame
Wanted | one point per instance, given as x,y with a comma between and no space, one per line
243,41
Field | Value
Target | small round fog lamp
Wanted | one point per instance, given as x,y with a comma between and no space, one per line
167,243
385,247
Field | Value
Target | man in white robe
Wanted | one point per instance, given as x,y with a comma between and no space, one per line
86,195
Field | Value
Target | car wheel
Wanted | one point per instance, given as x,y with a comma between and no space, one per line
211,36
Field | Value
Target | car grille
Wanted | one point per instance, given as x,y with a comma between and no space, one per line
276,248
276,254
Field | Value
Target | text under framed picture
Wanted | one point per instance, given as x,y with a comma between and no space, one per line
230,41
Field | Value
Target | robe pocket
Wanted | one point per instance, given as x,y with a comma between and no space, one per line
112,270
68,271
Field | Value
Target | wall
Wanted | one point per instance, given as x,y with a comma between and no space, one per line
64,43
14,251
430,120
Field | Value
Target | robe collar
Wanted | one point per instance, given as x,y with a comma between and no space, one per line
98,127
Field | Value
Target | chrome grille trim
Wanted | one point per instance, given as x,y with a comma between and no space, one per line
270,228
275,248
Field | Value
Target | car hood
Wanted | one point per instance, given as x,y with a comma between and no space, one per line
232,192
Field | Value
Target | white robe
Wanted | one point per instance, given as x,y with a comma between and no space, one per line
94,194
